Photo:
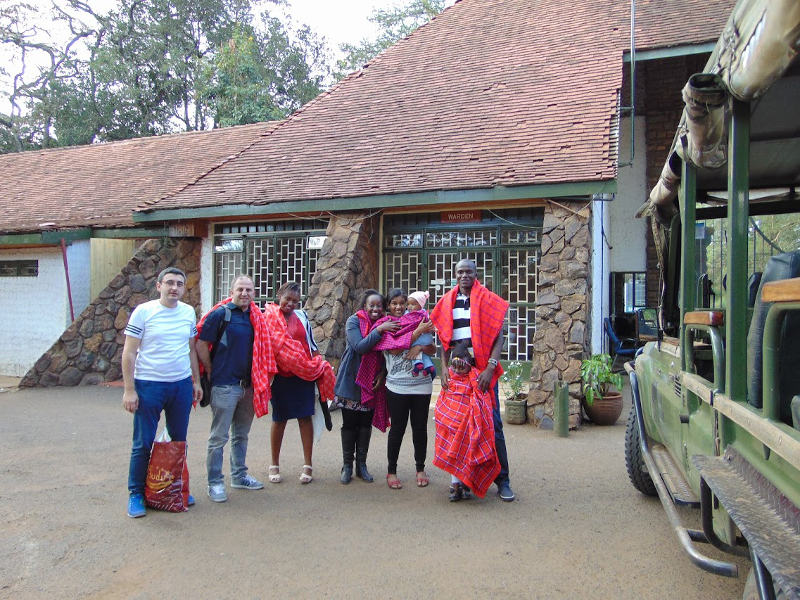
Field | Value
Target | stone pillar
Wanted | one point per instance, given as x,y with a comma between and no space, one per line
90,350
561,312
347,265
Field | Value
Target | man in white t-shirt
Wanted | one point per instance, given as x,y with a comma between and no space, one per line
160,372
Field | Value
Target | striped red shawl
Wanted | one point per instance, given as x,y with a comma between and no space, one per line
263,367
371,364
464,444
487,311
293,358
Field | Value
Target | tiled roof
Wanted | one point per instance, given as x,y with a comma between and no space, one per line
489,93
100,185
665,23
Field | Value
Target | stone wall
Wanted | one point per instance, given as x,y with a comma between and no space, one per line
347,265
90,350
562,310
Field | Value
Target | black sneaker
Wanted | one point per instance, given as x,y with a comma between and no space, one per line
505,492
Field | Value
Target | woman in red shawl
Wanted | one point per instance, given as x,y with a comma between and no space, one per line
300,368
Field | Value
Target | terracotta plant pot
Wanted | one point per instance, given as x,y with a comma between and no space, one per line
604,410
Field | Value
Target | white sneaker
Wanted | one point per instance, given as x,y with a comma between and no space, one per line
217,492
248,482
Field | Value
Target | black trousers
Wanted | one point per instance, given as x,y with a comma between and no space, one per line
356,419
401,407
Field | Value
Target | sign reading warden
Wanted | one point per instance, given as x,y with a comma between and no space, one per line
461,216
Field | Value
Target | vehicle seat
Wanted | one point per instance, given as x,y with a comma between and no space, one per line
619,346
780,266
753,283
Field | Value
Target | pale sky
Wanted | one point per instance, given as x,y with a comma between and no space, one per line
339,21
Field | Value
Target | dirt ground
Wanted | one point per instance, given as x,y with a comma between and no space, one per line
578,529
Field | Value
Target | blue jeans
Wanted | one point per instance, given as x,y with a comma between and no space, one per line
175,399
232,409
499,440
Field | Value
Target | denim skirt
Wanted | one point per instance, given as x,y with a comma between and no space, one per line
292,398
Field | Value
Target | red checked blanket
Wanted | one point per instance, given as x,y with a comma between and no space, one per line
264,366
464,444
293,358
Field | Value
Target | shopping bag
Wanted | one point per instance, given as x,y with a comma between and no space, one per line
167,484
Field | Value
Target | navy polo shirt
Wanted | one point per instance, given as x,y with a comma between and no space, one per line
235,353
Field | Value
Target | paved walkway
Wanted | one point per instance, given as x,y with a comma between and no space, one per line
577,529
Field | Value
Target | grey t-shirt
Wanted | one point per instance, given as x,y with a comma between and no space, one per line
399,378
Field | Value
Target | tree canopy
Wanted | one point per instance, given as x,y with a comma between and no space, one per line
393,24
73,75
149,67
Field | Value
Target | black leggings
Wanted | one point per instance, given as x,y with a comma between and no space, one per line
400,407
356,419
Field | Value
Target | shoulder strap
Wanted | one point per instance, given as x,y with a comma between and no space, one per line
223,325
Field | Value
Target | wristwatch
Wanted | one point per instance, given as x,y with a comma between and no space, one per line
493,362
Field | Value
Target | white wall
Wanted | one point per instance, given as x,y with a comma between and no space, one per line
600,271
625,246
79,254
207,272
33,310
627,234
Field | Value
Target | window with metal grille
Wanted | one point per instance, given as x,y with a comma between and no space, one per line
420,253
271,252
19,268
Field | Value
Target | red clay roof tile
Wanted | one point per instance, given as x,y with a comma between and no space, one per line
491,92
100,185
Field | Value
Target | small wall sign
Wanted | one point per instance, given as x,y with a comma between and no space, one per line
461,216
315,242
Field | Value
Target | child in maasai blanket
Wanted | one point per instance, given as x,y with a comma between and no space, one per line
464,429
423,364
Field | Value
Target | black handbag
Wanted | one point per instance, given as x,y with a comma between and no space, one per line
205,383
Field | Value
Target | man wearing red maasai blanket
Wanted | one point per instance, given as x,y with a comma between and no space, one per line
234,348
471,312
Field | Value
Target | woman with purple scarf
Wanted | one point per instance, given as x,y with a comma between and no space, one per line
358,411
406,394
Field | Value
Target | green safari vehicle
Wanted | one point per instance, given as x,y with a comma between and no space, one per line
715,422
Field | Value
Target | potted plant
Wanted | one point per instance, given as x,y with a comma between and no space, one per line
516,400
601,402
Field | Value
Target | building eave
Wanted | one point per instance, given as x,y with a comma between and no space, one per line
433,198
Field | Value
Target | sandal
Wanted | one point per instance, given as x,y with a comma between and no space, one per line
306,477
276,476
456,492
422,479
396,484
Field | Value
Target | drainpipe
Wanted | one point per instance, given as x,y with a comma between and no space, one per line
66,274
631,110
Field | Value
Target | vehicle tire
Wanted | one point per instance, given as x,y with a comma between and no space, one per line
634,461
751,589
